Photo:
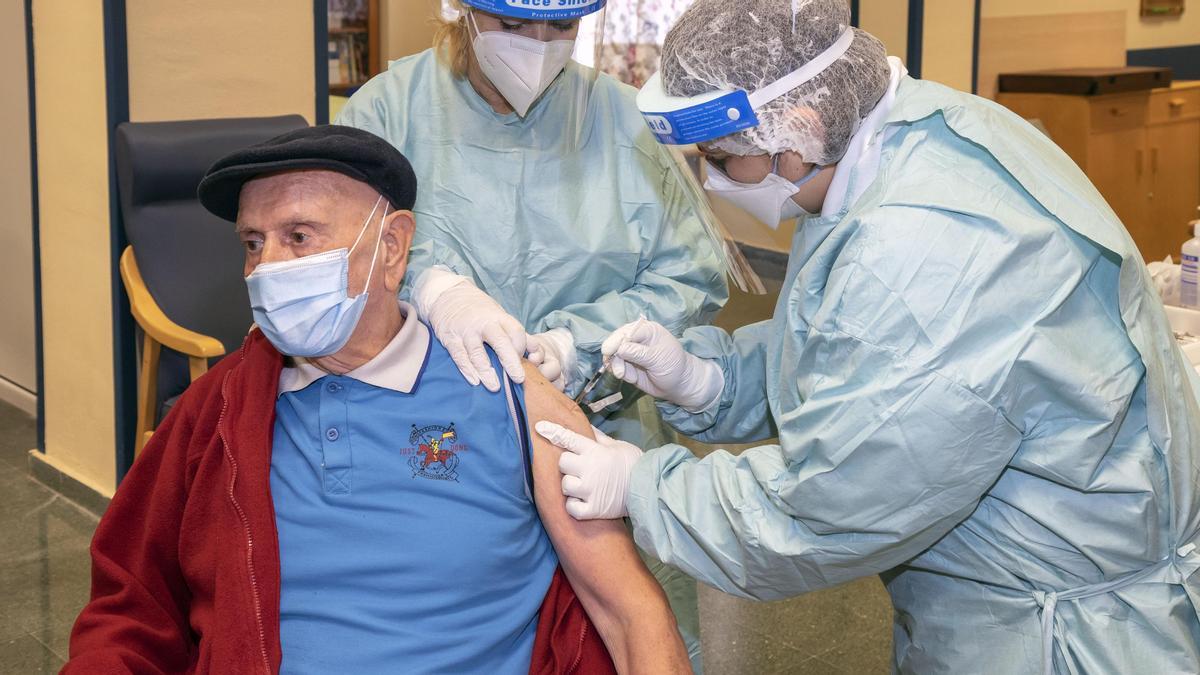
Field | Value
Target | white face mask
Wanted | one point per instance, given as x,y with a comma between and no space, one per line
521,68
769,200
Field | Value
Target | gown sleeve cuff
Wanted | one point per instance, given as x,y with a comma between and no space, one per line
642,501
698,344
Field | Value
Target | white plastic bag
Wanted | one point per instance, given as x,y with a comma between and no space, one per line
1166,280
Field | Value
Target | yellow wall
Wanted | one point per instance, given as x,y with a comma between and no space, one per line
73,197
949,27
1140,33
888,21
187,59
1164,32
949,42
192,59
407,27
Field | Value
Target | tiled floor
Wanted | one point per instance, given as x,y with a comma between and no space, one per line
44,581
847,629
44,564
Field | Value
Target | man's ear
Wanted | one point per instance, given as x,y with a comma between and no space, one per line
398,231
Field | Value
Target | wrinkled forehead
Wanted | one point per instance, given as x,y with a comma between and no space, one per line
306,194
313,185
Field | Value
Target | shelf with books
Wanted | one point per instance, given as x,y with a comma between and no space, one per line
353,52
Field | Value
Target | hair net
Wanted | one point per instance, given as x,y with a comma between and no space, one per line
718,44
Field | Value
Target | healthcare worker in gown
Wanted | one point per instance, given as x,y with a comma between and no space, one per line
974,388
546,206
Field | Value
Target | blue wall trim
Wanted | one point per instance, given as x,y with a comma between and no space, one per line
321,74
116,71
975,48
31,74
1184,60
916,37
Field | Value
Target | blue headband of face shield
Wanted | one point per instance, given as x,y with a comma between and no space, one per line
538,10
683,120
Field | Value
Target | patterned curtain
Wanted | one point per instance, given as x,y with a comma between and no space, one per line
633,35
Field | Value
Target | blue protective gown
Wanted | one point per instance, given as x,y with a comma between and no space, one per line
583,228
977,395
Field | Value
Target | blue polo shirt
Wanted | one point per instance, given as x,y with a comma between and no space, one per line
408,539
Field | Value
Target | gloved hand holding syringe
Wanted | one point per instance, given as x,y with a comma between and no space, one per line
645,354
605,367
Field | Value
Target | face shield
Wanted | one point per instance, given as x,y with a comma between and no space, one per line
684,120
536,56
686,169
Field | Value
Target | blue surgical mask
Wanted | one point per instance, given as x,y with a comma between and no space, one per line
303,305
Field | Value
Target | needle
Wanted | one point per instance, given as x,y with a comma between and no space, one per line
595,379
592,382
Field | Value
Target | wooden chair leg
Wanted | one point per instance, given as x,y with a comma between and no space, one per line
147,393
197,366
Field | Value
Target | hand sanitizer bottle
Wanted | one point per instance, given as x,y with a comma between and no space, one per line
1189,275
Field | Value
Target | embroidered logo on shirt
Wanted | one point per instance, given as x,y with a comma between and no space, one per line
436,451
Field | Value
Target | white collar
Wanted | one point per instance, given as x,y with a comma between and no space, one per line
397,366
862,154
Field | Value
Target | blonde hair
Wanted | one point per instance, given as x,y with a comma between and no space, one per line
452,41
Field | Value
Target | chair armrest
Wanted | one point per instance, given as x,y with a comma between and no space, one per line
156,324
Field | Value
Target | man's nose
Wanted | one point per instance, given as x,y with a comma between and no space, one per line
273,252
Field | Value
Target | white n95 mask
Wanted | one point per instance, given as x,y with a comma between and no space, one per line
303,305
769,200
521,68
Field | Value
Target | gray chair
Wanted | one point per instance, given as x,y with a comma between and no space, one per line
183,266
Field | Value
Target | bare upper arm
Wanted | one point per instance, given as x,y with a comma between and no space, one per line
593,553
622,598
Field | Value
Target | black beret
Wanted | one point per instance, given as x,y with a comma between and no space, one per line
356,153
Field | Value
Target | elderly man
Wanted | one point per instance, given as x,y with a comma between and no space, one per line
335,497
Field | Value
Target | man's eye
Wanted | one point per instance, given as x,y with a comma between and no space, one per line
299,237
253,245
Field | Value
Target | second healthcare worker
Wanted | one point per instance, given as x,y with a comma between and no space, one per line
973,384
546,206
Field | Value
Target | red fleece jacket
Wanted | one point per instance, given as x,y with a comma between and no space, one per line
185,562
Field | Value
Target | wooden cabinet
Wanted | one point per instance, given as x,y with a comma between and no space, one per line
1141,150
1174,194
1116,165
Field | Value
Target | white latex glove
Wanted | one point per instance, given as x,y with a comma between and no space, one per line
465,318
553,352
595,473
646,355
